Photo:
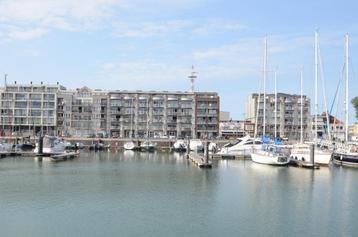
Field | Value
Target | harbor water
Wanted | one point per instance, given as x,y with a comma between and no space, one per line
163,194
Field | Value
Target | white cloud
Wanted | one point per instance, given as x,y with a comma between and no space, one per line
28,19
215,26
25,34
149,29
41,10
79,15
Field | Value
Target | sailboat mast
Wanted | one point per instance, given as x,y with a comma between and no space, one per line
275,103
265,74
301,137
131,111
347,87
315,85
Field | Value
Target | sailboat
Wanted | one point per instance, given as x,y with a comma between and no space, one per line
301,151
147,145
345,154
269,154
131,145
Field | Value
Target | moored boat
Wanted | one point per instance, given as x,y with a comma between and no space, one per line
241,147
346,156
196,145
131,145
51,145
270,155
147,146
301,152
179,146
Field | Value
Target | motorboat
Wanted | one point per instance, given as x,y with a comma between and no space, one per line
25,145
242,147
5,147
196,145
301,152
213,147
51,145
147,146
179,146
99,146
270,154
131,145
79,145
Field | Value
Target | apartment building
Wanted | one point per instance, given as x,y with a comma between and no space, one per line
336,127
162,114
207,115
288,114
236,128
84,112
28,109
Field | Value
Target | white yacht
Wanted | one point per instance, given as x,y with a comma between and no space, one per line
5,147
130,146
270,155
213,147
179,145
51,145
242,147
301,152
196,145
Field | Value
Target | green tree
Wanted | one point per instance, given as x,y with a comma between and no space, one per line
355,104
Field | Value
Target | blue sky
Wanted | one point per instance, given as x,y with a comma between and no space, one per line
151,44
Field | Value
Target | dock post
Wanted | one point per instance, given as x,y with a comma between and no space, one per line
187,148
41,145
206,151
312,148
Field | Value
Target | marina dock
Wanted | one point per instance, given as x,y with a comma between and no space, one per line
305,165
4,154
230,157
199,160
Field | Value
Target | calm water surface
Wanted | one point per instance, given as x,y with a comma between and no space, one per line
160,194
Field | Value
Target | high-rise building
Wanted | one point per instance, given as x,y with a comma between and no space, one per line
288,115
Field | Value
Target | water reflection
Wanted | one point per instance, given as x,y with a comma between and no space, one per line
153,194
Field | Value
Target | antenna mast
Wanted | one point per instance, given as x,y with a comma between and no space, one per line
193,76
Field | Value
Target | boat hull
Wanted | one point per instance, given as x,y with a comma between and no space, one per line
319,158
130,146
349,160
269,159
244,150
